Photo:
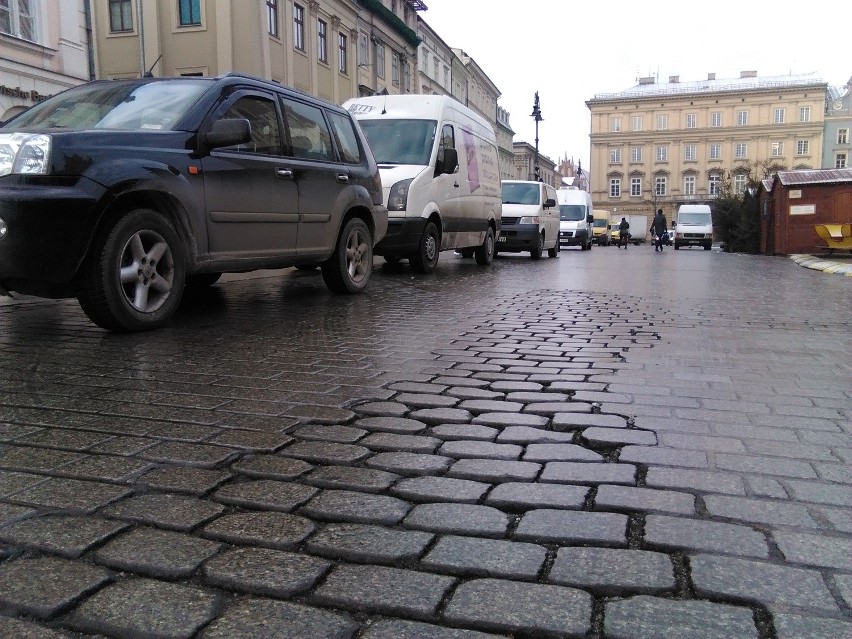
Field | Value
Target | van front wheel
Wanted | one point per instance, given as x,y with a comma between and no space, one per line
485,254
537,248
425,258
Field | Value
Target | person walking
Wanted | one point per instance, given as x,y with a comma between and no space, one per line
623,233
658,229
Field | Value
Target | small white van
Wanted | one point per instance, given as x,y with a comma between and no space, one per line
575,215
530,219
438,162
693,226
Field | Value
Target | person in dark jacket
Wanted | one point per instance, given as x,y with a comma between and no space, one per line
658,229
623,233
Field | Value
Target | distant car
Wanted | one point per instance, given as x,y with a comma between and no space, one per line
121,193
530,219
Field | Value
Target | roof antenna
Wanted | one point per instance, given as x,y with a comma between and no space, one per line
384,92
148,73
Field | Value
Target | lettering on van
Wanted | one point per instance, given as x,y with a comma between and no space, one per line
472,165
481,158
355,109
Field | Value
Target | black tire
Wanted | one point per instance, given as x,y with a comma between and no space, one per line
349,268
202,280
676,246
536,251
485,254
553,252
134,276
707,247
425,258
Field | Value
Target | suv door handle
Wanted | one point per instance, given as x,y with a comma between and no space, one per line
343,178
284,173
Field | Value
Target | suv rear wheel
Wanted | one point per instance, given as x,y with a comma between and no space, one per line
348,270
134,276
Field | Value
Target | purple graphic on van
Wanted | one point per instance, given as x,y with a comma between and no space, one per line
472,163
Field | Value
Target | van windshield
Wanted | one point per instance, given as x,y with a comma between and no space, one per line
400,141
519,193
693,218
572,212
600,224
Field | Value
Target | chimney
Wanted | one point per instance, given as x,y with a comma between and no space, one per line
674,79
748,74
711,76
647,80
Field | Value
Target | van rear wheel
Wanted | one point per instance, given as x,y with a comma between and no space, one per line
553,252
425,258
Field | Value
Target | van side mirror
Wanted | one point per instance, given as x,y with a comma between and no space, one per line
674,224
549,203
590,219
228,132
449,162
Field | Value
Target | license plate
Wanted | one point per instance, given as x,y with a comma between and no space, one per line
502,238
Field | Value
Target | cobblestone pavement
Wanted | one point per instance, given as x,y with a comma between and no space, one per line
609,444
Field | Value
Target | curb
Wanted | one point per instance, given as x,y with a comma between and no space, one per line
820,264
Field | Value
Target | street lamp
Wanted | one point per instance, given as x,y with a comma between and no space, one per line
536,115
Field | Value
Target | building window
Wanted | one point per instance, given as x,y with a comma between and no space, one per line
395,69
189,13
446,76
741,150
322,41
690,152
662,153
843,136
715,184
742,118
777,149
272,17
691,121
636,123
689,185
715,151
805,114
716,119
635,187
615,156
363,49
615,125
18,18
342,53
636,154
380,60
840,161
779,116
406,77
662,122
803,147
739,183
120,15
615,187
660,185
299,27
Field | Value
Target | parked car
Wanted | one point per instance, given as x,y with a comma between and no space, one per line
121,193
530,219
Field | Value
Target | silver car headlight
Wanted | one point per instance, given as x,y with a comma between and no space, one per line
529,219
24,153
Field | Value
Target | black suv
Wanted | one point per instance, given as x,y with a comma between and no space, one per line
122,192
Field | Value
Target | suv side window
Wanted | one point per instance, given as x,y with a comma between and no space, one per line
310,138
347,140
263,117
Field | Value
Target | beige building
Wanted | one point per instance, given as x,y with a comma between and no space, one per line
524,165
44,49
660,145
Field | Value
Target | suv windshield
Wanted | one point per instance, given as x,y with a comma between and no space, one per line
400,141
115,105
572,212
519,193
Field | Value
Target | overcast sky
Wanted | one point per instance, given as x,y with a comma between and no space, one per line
571,51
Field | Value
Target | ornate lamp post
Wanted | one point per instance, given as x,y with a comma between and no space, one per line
536,114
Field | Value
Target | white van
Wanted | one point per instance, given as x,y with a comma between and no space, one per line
575,215
438,162
530,219
693,226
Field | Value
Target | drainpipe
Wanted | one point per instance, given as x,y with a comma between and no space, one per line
142,68
90,45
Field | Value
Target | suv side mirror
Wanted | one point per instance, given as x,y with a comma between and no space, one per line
549,203
449,162
228,132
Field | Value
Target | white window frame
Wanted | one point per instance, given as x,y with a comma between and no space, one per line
363,49
660,185
662,154
299,27
615,156
662,121
689,185
740,180
777,149
803,147
805,114
841,160
780,115
272,18
714,184
716,119
691,120
741,150
396,68
636,187
690,152
615,187
742,118
14,11
322,41
636,154
615,125
342,53
715,151
843,136
380,59
636,123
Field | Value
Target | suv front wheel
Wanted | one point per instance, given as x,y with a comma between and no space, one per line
348,270
133,279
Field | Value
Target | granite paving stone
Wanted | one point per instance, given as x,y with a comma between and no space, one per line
502,420
265,494
320,452
384,590
530,435
481,407
765,465
109,468
815,550
576,421
588,473
64,535
70,495
356,507
401,629
682,533
659,456
45,586
760,511
619,436
523,496
255,618
820,492
422,400
13,481
708,443
281,531
187,453
495,471
552,409
400,425
560,452
442,415
35,459
757,486
612,571
194,481
272,467
409,463
176,512
473,432
137,608
426,489
17,629
466,392
698,480
480,449
156,553
525,609
475,557
843,585
788,626
264,571
355,478
655,618
459,519
644,499
568,526
760,582
368,543
396,442
251,440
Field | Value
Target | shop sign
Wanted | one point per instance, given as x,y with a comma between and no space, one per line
18,92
